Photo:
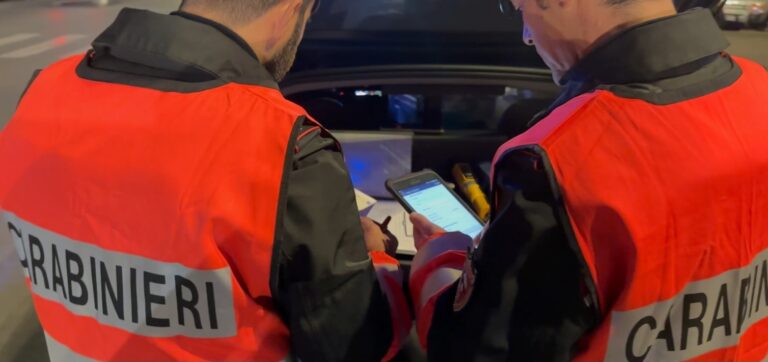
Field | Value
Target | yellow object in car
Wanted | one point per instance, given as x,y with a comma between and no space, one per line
465,180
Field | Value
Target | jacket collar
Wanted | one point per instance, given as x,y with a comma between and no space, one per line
652,51
221,28
182,45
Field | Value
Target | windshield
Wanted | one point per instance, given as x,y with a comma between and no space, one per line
434,16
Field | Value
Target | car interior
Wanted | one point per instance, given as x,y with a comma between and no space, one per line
389,129
447,123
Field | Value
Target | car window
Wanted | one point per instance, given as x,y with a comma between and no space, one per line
502,109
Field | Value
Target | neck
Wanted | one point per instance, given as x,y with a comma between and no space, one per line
259,44
615,19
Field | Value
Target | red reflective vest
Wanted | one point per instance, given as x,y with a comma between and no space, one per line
144,219
668,206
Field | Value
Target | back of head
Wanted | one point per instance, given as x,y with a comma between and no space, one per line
563,31
273,29
236,11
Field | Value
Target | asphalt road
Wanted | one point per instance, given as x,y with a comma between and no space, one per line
750,44
34,33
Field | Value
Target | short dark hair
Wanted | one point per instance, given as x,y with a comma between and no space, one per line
237,10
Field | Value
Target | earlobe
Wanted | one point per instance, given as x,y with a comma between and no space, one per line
527,36
285,13
297,8
291,11
272,40
294,7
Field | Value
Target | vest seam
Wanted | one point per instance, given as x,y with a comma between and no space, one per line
282,104
561,214
279,220
86,72
673,96
554,135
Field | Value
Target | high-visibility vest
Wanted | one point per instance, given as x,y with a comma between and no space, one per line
668,207
145,220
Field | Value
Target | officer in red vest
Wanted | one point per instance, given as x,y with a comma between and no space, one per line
168,203
630,222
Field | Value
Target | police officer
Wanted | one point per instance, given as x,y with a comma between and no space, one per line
630,222
168,203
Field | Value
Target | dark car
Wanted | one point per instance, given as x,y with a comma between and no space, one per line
451,76
412,84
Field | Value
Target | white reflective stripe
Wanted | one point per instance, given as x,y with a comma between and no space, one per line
45,46
401,319
706,316
384,267
61,353
398,306
436,281
136,294
449,242
15,38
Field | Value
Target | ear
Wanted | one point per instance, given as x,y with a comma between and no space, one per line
289,10
297,5
280,21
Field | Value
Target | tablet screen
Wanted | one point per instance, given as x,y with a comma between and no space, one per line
433,200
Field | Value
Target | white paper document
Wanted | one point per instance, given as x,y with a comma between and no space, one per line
363,201
400,226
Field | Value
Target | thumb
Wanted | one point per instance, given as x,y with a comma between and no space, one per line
367,223
423,224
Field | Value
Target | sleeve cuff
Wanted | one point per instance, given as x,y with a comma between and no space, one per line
391,282
381,257
436,267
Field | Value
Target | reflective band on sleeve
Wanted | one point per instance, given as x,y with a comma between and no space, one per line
437,281
453,241
391,282
132,293
58,352
706,316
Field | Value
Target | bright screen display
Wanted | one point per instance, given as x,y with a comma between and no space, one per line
433,200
